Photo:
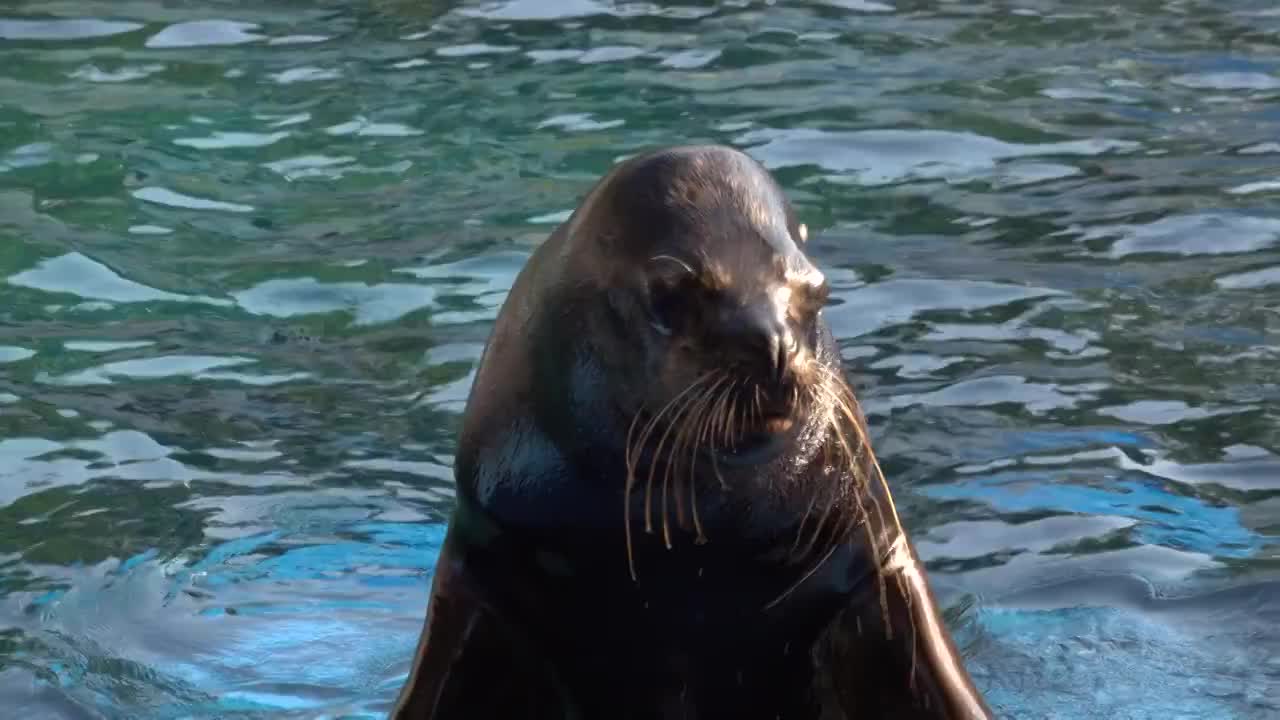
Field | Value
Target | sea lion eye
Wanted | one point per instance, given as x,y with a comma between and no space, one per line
668,277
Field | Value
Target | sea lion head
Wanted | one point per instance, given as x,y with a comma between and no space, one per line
666,344
709,312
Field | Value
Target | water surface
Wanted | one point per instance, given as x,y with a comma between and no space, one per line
250,253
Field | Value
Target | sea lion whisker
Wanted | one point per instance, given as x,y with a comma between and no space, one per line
814,395
715,432
837,433
718,417
698,428
720,411
859,512
734,407
667,463
795,544
847,405
632,460
830,502
640,444
730,414
626,497
686,424
644,440
792,588
915,631
872,543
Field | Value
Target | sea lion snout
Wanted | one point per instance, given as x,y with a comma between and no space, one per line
756,338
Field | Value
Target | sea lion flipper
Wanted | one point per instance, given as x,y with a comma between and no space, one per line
468,664
443,648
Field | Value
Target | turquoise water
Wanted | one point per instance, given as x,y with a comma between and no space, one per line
250,252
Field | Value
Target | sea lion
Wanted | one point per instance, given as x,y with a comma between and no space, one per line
667,504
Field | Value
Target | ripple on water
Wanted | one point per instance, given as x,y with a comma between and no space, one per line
13,354
881,157
1245,468
1189,525
579,122
473,49
536,10
363,127
1207,233
27,156
1264,148
611,53
221,140
974,539
881,305
867,6
147,369
126,73
305,74
70,29
1095,662
372,304
481,281
1250,280
245,454
78,275
1164,412
1228,81
284,120
614,53
691,59
549,56
298,39
432,470
105,346
149,230
30,465
204,33
1065,93
1075,344
1255,187
554,218
1036,397
914,365
330,168
164,196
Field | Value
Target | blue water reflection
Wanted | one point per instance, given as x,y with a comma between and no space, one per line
250,255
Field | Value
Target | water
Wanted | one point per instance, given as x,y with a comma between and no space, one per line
250,252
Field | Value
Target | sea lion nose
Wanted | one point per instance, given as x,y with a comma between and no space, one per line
763,340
